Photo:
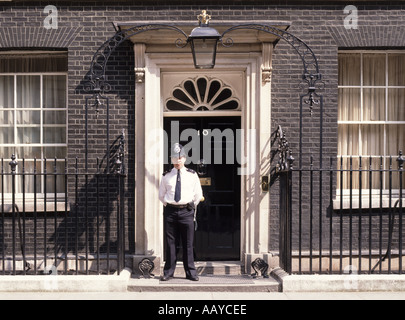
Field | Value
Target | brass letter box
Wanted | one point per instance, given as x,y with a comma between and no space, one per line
205,182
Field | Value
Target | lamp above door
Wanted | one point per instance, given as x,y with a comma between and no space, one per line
203,41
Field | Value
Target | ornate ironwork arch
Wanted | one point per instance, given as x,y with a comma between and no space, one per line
306,54
311,76
100,59
98,86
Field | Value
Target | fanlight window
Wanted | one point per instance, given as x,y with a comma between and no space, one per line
202,94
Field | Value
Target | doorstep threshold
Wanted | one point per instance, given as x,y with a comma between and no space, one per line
233,268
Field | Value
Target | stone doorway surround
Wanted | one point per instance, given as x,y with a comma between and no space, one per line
156,53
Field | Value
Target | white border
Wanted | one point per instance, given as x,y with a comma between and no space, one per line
149,159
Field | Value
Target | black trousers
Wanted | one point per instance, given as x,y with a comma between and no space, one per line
179,225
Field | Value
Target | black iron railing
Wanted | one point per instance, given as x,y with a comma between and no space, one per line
60,219
342,219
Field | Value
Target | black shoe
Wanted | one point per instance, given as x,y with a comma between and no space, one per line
193,278
165,278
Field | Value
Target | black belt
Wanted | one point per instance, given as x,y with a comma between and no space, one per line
177,206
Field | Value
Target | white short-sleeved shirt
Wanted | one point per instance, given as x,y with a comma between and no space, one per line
191,190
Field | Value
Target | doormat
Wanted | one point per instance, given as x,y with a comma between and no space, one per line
212,279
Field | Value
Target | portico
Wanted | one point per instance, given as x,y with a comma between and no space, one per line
244,69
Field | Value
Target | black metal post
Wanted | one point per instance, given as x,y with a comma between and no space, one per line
45,177
401,161
66,219
13,165
35,216
2,219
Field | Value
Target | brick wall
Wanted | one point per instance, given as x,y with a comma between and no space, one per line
83,28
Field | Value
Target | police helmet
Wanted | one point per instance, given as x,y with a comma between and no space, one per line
178,151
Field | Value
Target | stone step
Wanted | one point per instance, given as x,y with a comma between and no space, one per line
215,276
233,268
207,283
203,267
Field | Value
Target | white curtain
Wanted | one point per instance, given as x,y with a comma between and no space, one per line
363,105
6,107
19,126
54,96
39,62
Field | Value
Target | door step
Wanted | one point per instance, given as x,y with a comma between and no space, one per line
207,283
215,276
233,268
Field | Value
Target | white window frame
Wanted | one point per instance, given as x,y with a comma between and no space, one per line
376,199
41,144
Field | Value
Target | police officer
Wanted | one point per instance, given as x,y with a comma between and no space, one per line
180,192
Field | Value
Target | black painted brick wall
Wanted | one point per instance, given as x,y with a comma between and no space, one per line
84,27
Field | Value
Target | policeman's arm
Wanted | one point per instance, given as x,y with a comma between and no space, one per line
198,193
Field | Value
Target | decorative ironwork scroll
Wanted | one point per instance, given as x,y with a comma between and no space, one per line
146,266
259,265
400,160
97,82
286,159
311,74
308,57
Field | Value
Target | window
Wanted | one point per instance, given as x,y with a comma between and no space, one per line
33,115
202,94
371,119
220,93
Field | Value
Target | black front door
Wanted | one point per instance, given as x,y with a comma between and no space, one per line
212,148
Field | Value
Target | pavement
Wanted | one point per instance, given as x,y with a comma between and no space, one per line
202,296
279,286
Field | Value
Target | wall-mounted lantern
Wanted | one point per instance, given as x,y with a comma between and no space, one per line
203,41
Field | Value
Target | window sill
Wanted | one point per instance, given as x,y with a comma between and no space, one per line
376,202
39,206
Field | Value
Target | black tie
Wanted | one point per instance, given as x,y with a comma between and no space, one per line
177,193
